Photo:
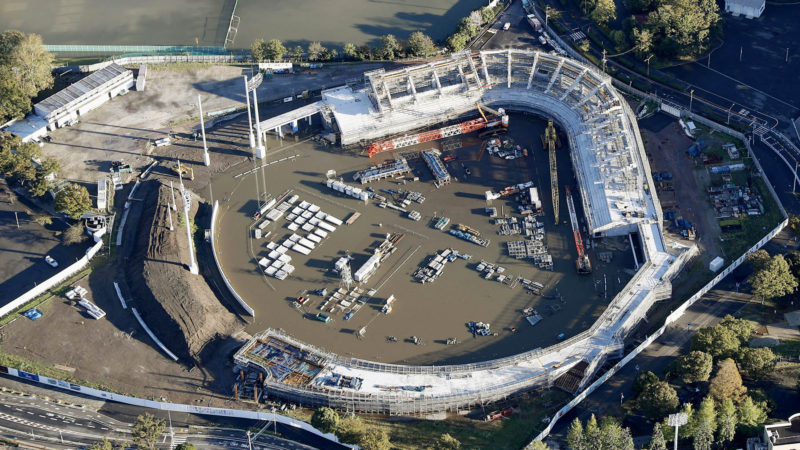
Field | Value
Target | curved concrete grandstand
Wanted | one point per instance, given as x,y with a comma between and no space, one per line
614,181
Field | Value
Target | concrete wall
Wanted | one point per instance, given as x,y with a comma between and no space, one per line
56,279
233,292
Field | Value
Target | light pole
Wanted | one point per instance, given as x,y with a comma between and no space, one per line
648,64
729,113
794,178
206,159
677,420
691,99
249,442
249,119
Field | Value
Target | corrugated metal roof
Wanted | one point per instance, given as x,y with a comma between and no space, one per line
74,92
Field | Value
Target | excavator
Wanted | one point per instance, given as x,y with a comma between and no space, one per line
498,117
184,170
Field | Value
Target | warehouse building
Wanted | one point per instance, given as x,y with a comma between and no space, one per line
65,106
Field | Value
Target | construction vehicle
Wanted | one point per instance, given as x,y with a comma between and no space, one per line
582,263
441,133
550,142
184,170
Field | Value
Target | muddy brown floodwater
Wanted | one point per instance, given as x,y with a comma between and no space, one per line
432,311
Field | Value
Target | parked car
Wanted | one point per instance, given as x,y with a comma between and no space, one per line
506,26
49,259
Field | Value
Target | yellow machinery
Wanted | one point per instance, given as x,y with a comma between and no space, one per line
184,170
550,142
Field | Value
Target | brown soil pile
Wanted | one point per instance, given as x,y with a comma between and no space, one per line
179,307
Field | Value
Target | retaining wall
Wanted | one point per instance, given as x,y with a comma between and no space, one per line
56,279
233,292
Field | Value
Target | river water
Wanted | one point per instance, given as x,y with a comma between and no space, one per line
205,22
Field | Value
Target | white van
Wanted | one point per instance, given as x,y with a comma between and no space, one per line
506,26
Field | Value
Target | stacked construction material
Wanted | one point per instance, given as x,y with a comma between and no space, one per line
436,167
348,190
389,169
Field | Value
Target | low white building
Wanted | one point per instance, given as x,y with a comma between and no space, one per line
65,106
781,436
751,9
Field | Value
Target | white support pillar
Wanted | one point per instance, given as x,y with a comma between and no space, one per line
261,152
591,94
463,78
411,85
578,79
508,77
377,97
388,94
533,69
485,70
294,126
249,118
555,76
309,119
437,82
206,158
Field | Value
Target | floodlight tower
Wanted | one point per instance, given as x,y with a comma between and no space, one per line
187,203
261,152
249,118
677,420
206,158
347,276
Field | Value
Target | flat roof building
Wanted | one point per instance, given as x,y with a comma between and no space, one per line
64,107
783,435
751,9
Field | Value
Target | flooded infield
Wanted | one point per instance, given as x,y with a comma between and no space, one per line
433,312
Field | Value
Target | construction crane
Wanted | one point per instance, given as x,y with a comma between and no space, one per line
550,142
441,133
582,263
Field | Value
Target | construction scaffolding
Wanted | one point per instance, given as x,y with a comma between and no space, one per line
549,143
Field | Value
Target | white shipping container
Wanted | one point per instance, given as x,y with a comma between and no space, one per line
271,245
334,220
300,249
294,237
307,227
270,271
304,204
281,249
285,258
313,221
314,238
293,227
313,208
293,198
263,262
716,264
321,233
306,243
327,227
288,268
274,254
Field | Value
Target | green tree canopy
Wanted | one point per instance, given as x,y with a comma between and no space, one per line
773,280
458,41
350,430
316,51
658,399
25,70
420,44
374,439
751,415
147,430
575,439
718,341
105,444
325,419
683,27
742,328
756,363
695,366
643,380
758,259
609,435
186,446
657,441
258,50
274,50
727,383
604,12
73,200
297,52
350,50
447,442
726,422
390,47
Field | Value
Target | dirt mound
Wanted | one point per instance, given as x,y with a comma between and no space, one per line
180,307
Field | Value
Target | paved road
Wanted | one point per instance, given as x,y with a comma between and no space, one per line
707,312
56,419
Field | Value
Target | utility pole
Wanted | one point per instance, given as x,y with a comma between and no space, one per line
709,60
677,420
187,202
648,64
206,159
691,99
16,217
249,119
794,179
604,60
260,150
729,113
172,190
740,53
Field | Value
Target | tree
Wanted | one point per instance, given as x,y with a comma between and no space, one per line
297,53
657,441
658,399
613,436
538,445
604,11
756,363
468,28
350,430
258,50
146,431
186,446
325,419
643,380
274,50
25,70
742,328
105,444
705,425
683,27
350,50
703,437
591,434
726,422
375,439
717,341
334,54
575,439
773,280
73,200
365,51
695,366
41,180
758,259
643,39
447,442
751,415
316,50
476,18
727,383
73,235
457,41
389,47
420,44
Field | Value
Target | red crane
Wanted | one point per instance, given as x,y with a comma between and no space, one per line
582,263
